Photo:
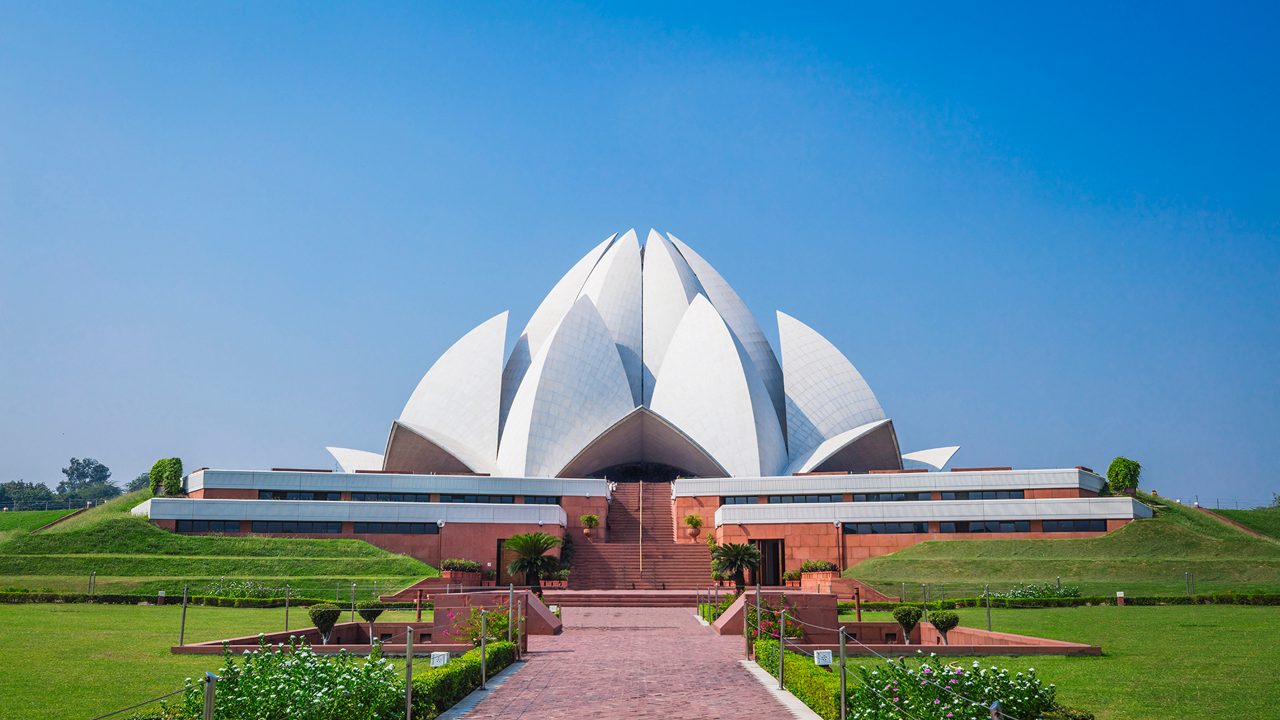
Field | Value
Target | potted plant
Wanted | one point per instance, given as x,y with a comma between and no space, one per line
720,579
692,524
558,580
463,572
489,578
589,522
791,578
819,570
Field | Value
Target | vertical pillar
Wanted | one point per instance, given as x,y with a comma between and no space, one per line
408,673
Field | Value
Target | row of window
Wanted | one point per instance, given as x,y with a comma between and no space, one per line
1075,525
886,528
398,528
306,527
208,526
981,526
404,497
878,497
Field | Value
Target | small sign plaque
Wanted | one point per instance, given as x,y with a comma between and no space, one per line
439,658
822,657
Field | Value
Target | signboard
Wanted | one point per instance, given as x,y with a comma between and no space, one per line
439,658
822,657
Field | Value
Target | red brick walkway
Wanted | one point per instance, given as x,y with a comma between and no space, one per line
632,663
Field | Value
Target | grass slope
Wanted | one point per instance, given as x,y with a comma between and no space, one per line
130,554
80,661
1204,662
1144,557
29,519
1263,520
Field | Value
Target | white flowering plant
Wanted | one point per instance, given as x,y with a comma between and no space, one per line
931,689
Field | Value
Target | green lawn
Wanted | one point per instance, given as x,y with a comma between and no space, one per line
131,555
1263,520
29,519
1204,662
1147,557
80,661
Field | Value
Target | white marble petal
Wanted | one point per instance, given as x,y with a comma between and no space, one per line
352,460
813,459
574,390
614,288
742,322
936,458
459,396
711,391
826,395
669,286
544,322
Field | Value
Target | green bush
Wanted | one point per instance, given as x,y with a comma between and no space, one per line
908,616
810,683
324,616
1043,590
791,575
439,689
945,621
590,521
460,565
1123,475
933,688
818,566
369,610
299,684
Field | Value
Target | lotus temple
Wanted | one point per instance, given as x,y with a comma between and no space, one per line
643,390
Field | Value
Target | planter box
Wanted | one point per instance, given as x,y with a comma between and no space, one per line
792,583
555,584
825,576
461,577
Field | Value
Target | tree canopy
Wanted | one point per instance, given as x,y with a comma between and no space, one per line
1122,476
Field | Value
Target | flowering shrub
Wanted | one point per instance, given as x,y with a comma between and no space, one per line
300,685
495,624
242,589
770,614
928,689
1032,591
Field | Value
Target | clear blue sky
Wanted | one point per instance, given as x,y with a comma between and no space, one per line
238,233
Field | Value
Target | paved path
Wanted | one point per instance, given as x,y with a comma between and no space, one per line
633,663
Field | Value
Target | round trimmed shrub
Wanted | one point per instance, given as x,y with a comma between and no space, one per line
324,616
908,616
945,621
370,609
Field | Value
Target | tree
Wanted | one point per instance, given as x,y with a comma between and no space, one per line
908,616
138,483
81,473
734,559
369,610
531,557
1122,476
325,616
945,621
20,491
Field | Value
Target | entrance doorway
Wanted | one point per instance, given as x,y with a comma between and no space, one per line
771,558
504,559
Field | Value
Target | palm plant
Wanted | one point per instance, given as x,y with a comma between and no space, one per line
733,559
531,557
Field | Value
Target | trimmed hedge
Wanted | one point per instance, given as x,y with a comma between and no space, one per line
19,598
812,685
439,689
1029,603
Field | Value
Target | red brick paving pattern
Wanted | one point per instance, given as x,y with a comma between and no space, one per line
632,663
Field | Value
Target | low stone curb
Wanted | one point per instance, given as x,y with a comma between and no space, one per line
789,701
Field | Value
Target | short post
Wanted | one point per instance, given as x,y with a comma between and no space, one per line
995,710
484,633
337,592
782,650
210,688
408,673
717,600
286,607
924,601
511,610
904,593
1186,582
844,712
182,629
986,593
1059,586
353,602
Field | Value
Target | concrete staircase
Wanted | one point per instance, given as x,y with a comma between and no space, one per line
616,563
